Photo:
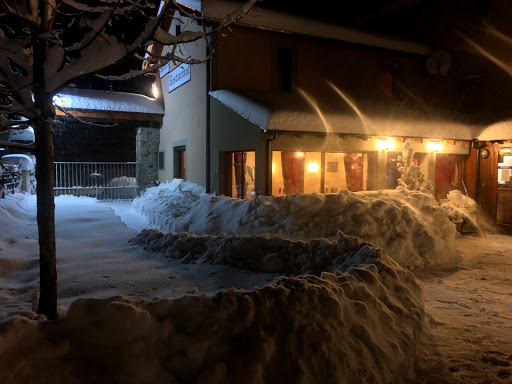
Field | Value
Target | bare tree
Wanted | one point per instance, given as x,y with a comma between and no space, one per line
46,45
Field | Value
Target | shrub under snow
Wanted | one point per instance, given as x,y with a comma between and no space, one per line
410,225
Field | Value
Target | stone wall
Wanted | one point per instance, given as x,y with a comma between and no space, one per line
146,148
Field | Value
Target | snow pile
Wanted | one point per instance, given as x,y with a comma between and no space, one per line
409,225
16,211
462,211
358,326
262,253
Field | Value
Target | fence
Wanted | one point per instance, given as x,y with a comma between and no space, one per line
104,181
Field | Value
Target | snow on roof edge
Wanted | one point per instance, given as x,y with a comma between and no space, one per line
95,100
245,107
292,24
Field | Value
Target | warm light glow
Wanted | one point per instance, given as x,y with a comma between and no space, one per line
154,88
299,154
312,166
508,150
385,145
434,146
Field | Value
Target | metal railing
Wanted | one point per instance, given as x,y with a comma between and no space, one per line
101,180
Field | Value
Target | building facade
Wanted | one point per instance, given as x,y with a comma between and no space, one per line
292,105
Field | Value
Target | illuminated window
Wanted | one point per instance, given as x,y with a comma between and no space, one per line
317,172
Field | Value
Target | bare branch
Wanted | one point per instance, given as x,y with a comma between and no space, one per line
164,60
30,147
70,115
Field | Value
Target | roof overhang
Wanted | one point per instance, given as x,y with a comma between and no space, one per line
109,107
215,10
296,113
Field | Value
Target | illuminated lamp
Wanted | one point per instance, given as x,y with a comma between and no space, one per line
154,88
434,146
508,150
299,154
385,145
312,166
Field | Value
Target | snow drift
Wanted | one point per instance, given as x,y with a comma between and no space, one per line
361,326
410,225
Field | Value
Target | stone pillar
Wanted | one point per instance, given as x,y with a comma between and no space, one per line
147,144
25,181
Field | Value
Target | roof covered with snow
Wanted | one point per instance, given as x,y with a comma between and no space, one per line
287,23
94,100
303,113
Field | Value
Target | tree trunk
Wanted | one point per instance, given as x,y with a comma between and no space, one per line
44,173
46,220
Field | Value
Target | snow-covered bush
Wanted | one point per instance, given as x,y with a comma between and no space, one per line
462,211
412,178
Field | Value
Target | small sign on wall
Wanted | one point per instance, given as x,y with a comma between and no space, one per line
164,70
179,76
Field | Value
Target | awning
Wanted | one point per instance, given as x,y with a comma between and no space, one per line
303,113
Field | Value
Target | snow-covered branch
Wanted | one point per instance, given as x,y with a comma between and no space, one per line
30,147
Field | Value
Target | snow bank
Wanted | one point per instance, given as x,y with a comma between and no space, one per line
409,225
16,210
360,326
262,253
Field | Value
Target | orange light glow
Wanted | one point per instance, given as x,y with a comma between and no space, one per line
434,146
312,166
299,154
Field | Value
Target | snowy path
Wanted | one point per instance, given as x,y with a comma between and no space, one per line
471,315
94,259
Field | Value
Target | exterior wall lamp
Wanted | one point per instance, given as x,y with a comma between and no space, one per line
385,145
434,146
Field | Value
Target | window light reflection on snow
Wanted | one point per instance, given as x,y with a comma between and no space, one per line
312,166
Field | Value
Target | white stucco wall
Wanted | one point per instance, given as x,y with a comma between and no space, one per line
185,112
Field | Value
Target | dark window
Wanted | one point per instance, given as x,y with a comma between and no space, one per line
178,29
180,164
285,64
161,160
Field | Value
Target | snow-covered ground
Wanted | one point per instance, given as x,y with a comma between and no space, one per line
364,324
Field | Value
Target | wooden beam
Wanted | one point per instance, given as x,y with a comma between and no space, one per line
111,117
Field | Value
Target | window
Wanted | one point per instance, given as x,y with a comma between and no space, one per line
505,168
318,172
178,29
180,164
240,174
161,160
285,67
